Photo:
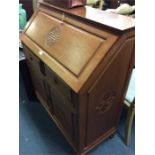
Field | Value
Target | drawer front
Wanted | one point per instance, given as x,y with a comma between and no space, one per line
56,82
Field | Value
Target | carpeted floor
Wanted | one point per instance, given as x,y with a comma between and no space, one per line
40,136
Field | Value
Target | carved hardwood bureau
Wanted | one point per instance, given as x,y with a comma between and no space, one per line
80,61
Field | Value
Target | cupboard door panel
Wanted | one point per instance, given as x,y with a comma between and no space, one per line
49,97
62,114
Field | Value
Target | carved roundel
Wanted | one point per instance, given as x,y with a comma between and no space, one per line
106,102
53,36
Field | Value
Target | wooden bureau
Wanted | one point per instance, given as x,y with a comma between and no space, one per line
80,61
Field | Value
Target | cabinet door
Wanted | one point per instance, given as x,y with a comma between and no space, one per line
62,114
37,72
49,97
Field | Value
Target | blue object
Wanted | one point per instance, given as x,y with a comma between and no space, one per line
22,17
131,88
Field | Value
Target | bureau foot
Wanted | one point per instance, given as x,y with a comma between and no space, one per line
112,136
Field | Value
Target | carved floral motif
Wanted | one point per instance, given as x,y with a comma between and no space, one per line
53,36
106,102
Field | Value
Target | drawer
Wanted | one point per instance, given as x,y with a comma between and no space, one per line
58,84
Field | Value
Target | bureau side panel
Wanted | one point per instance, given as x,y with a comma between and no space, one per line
106,94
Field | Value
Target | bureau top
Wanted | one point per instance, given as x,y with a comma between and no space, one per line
110,20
